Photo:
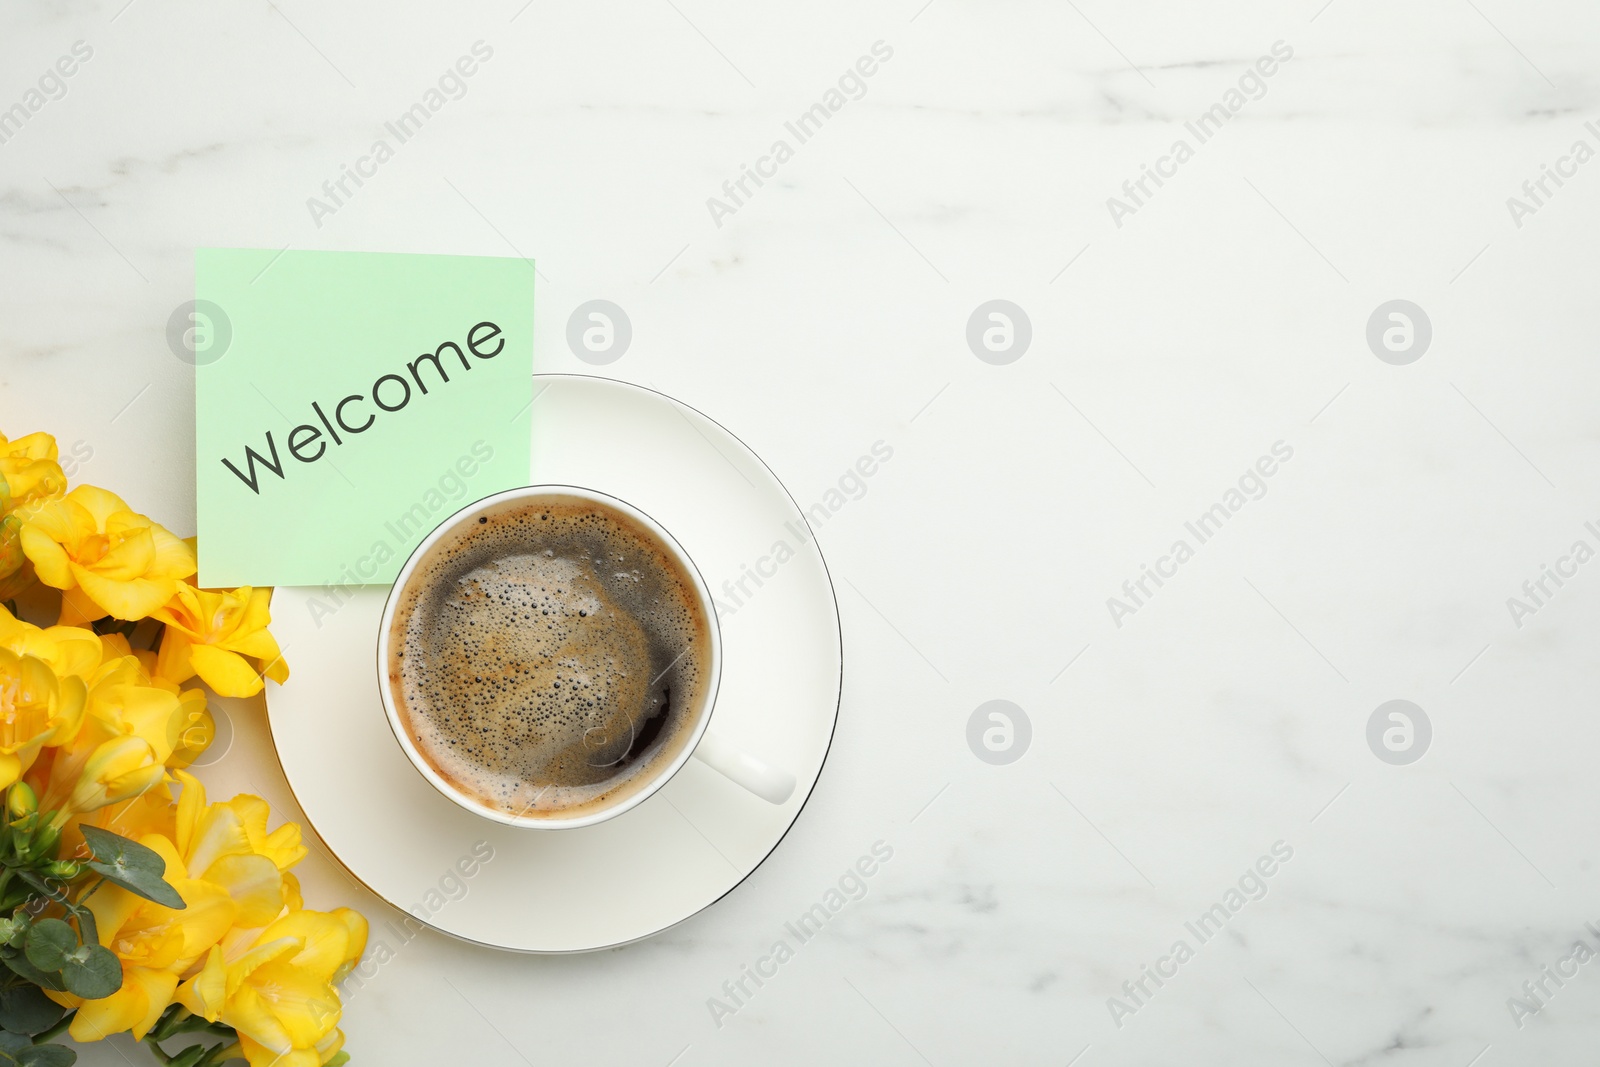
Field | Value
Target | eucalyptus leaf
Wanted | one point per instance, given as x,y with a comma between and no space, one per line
92,972
11,1043
47,1056
142,884
120,851
130,865
25,1010
189,1057
19,965
49,943
44,885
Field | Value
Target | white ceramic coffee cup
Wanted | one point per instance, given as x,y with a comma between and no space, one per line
765,781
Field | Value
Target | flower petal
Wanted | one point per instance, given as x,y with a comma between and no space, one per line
328,939
291,892
132,599
259,1055
252,1016
206,992
175,556
191,812
253,882
157,988
100,504
218,832
10,769
302,1004
225,672
50,561
356,924
129,558
112,907
173,662
277,669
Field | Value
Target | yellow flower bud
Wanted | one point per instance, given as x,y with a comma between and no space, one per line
115,771
21,800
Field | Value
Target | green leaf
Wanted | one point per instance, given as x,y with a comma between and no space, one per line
20,966
140,883
18,1050
130,865
92,972
25,1010
188,1057
120,851
47,1056
339,1060
49,943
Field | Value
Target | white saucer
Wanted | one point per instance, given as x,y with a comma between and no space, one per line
694,840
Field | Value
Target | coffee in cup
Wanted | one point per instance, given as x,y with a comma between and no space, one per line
549,656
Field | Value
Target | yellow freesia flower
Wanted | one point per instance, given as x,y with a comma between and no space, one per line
155,945
29,476
36,709
225,865
31,472
276,988
130,729
228,844
105,558
210,632
66,649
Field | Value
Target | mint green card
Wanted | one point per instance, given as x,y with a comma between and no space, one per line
346,403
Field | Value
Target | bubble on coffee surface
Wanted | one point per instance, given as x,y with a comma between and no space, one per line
549,659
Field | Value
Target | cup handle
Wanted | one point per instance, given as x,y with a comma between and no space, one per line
769,783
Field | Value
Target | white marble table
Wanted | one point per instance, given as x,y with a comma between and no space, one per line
1175,739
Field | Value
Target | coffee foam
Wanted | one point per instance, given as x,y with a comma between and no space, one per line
549,657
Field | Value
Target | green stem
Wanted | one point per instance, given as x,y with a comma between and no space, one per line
42,886
220,1053
169,1023
87,931
216,1054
